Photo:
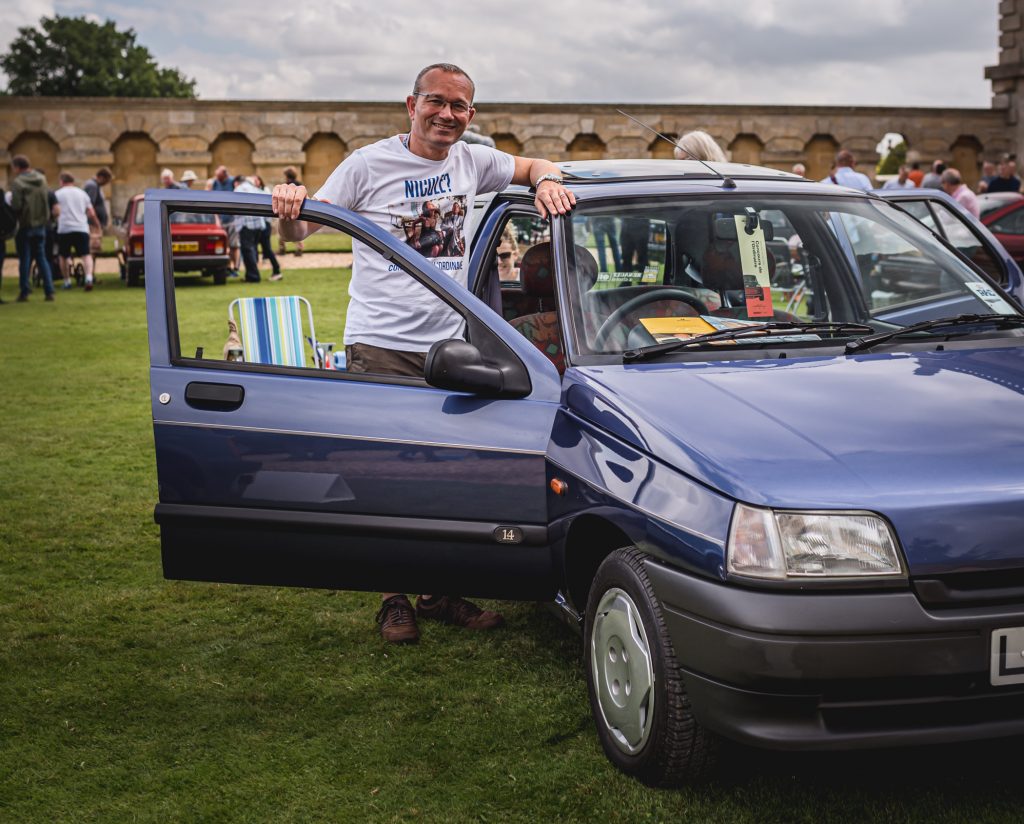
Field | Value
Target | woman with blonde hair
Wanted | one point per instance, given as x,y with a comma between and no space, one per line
698,145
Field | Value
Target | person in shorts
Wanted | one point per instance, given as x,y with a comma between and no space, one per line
73,221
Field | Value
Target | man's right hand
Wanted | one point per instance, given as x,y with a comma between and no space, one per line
286,200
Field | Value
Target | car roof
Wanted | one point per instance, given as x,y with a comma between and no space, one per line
593,178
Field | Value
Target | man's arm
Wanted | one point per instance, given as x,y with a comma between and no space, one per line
90,213
552,196
287,200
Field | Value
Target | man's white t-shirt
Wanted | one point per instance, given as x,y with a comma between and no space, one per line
424,203
73,205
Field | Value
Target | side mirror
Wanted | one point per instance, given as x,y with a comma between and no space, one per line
458,365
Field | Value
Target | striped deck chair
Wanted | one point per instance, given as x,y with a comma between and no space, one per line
271,330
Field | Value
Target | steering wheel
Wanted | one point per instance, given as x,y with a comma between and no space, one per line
619,315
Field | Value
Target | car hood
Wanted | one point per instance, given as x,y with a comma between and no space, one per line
930,440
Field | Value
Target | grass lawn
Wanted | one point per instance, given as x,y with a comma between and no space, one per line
326,240
127,697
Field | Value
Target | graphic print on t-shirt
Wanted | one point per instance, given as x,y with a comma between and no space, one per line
432,225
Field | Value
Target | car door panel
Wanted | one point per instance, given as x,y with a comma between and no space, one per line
302,477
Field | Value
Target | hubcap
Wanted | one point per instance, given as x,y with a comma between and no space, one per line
622,671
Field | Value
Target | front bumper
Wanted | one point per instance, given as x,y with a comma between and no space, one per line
833,670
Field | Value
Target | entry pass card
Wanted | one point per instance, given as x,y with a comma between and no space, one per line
754,264
991,297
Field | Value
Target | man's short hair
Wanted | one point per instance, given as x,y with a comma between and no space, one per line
844,157
940,167
66,177
20,162
951,177
450,68
103,171
291,173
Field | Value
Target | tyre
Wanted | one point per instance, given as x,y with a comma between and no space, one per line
637,696
134,275
220,276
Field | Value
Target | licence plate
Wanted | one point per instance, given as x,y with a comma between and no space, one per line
185,247
1007,656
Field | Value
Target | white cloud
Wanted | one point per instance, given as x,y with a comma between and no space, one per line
873,52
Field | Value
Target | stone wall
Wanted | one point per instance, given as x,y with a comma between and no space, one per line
139,137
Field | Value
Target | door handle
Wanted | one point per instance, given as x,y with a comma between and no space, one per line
219,397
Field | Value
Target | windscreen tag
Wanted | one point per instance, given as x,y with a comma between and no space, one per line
754,264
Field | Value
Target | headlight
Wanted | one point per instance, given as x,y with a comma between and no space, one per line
783,545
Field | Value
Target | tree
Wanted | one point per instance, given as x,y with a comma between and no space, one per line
75,57
896,157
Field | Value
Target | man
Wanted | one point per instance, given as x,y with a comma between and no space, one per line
988,174
30,200
75,217
954,186
167,180
249,227
223,182
188,177
1006,181
901,181
933,180
845,175
800,169
389,327
916,174
94,188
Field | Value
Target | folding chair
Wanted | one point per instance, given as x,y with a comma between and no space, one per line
271,331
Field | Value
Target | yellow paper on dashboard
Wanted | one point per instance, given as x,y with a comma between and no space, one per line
666,329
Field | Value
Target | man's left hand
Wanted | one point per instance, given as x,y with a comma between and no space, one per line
553,198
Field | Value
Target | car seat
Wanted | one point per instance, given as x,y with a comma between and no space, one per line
536,272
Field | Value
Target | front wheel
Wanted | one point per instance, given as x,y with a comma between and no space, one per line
636,690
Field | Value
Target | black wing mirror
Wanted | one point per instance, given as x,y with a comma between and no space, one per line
458,365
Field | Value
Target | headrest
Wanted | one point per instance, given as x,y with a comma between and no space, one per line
537,272
537,275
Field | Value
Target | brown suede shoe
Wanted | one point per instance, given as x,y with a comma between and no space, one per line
458,611
398,621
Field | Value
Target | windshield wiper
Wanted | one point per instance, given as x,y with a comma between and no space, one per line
761,330
861,344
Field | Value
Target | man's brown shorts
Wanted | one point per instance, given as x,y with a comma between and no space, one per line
361,357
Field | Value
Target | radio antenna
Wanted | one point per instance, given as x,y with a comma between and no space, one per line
727,182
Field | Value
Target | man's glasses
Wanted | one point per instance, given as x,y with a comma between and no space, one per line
504,255
435,101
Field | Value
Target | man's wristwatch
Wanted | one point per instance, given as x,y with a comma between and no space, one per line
549,176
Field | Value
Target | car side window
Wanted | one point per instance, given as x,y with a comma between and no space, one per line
959,235
1011,224
238,298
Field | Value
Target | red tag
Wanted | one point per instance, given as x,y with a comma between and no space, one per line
759,302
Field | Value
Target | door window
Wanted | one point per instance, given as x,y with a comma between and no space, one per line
271,310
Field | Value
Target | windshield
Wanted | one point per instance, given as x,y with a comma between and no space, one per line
657,271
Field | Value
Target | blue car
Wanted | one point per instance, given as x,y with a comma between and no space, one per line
760,439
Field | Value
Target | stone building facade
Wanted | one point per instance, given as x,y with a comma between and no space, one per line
137,138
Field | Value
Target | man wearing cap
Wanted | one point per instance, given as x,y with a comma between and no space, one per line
391,324
188,177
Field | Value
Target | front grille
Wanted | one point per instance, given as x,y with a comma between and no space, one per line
991,587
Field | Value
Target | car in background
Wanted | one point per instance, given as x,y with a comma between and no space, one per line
1005,219
990,201
198,244
782,504
964,232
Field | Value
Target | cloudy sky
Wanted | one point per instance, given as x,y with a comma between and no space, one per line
873,52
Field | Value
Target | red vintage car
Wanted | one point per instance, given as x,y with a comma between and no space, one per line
198,242
1002,212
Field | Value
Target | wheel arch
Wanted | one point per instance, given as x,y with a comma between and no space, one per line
589,540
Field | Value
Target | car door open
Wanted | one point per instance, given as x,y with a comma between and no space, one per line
291,474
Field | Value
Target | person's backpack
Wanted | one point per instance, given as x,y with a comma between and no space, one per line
8,217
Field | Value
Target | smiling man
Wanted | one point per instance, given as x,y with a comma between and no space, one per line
418,186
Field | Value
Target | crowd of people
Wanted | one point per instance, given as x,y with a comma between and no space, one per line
53,226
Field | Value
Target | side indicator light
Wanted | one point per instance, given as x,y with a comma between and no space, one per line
558,486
